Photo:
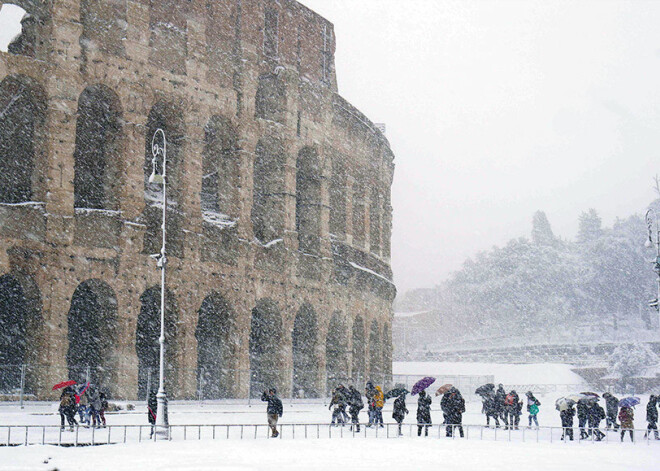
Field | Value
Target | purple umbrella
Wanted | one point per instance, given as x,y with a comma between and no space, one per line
422,384
629,401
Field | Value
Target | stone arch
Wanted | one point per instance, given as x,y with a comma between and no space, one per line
98,149
375,219
265,347
20,319
375,353
336,351
92,331
220,168
308,200
22,139
358,364
214,347
270,101
34,27
169,117
338,192
146,340
304,337
269,192
104,25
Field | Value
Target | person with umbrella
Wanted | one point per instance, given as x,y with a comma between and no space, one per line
400,410
652,417
595,414
370,393
627,419
582,417
68,407
423,413
487,393
500,397
274,409
566,413
453,406
612,408
339,401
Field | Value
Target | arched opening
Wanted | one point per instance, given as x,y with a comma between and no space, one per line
146,341
270,101
214,351
20,308
23,114
375,353
92,327
98,147
265,343
358,351
336,351
220,171
375,214
338,188
268,196
168,117
305,361
308,200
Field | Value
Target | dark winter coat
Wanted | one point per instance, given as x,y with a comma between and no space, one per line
489,406
500,396
453,406
67,403
652,411
582,411
612,404
400,409
152,407
354,399
424,408
595,414
567,417
274,404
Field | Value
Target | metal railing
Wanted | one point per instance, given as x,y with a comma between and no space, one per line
13,435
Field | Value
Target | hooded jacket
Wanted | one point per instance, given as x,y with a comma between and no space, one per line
379,398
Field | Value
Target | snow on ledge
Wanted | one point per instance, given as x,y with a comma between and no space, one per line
272,243
371,272
32,204
216,219
410,314
107,212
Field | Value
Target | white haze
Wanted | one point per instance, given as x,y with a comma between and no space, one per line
495,109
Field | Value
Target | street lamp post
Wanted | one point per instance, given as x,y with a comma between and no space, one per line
158,148
651,221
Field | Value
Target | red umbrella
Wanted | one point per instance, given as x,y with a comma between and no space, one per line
63,384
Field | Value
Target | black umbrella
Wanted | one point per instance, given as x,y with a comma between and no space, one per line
396,392
485,389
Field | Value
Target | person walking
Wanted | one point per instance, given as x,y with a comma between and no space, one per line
612,408
490,409
453,406
400,410
652,417
627,419
83,407
94,406
582,417
379,403
104,407
423,414
370,394
595,414
532,408
274,409
67,408
152,409
500,398
566,416
339,401
355,405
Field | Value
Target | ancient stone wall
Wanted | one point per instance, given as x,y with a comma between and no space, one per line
279,215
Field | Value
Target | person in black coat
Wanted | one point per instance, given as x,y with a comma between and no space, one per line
274,409
595,414
582,417
67,407
152,409
500,397
423,414
612,407
400,410
355,405
652,417
567,422
453,406
339,401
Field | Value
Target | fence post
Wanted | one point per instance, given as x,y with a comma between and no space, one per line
22,384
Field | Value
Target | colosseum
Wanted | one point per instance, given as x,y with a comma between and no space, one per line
279,214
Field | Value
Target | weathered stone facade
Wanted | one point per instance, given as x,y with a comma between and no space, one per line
279,218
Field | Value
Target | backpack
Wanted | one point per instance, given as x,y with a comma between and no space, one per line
510,400
533,409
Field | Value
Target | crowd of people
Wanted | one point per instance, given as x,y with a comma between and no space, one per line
85,400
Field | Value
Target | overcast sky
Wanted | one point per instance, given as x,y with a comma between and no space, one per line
496,109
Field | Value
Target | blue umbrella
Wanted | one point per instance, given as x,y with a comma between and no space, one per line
629,401
422,384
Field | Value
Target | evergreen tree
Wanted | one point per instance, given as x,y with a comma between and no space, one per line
589,229
541,230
